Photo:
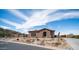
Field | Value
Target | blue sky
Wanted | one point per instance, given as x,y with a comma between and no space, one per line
65,21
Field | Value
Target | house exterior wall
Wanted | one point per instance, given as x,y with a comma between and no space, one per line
49,34
29,35
40,34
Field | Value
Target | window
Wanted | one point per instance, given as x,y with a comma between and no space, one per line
44,34
33,34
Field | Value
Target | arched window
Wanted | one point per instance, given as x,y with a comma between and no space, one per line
44,34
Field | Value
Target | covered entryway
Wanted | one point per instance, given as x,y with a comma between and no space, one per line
44,34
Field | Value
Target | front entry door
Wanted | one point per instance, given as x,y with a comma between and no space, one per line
44,34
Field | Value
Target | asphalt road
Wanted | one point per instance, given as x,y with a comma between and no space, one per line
16,46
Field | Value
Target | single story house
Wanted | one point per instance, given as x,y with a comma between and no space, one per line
42,33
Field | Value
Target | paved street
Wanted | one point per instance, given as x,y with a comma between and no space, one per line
16,46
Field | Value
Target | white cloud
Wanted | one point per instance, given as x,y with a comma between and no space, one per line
18,14
5,27
61,16
10,22
37,19
40,18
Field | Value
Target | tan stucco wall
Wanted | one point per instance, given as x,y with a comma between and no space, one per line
40,34
29,35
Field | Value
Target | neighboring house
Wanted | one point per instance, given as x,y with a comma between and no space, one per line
43,33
